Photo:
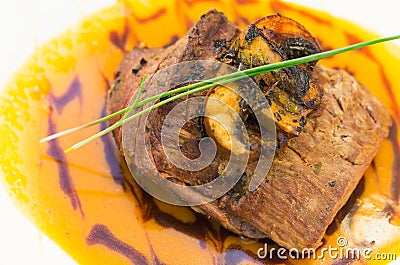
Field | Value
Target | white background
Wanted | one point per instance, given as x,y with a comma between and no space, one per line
26,24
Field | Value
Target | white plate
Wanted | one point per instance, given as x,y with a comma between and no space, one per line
26,24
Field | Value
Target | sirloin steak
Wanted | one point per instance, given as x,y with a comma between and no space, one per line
311,177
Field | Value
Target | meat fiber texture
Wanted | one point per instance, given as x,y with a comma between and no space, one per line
311,177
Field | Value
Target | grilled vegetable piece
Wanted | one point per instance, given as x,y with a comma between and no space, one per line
224,122
220,119
291,91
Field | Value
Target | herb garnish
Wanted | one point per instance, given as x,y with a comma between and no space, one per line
200,86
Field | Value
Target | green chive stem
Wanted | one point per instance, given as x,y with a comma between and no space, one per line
112,127
200,86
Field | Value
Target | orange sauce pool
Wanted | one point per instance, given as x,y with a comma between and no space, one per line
78,199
